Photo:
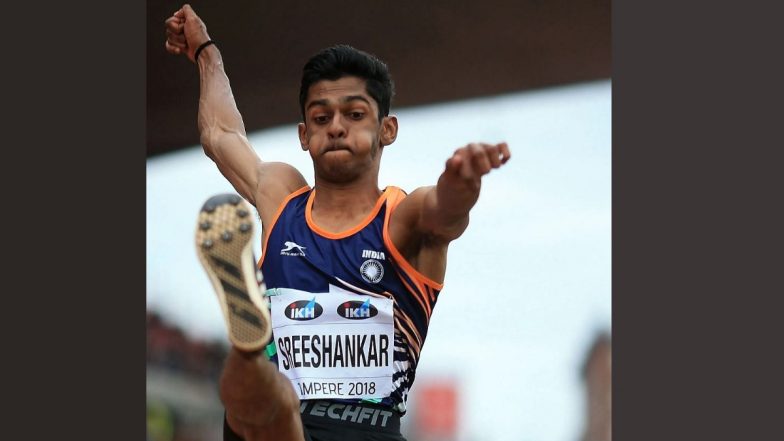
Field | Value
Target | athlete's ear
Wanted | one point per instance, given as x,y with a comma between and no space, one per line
303,139
388,129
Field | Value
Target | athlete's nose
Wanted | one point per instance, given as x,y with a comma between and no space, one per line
336,127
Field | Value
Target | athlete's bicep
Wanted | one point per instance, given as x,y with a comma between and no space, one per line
419,218
412,234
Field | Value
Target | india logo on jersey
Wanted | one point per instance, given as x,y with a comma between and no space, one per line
372,271
379,255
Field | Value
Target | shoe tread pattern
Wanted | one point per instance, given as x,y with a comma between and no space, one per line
224,233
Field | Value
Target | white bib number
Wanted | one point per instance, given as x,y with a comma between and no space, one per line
335,344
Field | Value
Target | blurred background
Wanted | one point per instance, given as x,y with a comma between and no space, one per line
520,341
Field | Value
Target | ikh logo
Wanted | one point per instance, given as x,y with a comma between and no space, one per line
372,271
356,310
303,310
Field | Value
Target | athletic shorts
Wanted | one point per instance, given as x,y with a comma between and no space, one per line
324,420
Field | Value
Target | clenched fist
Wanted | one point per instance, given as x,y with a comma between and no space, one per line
185,31
476,160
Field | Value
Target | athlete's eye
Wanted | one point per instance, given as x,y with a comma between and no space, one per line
356,115
321,119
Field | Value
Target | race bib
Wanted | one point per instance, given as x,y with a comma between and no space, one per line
335,344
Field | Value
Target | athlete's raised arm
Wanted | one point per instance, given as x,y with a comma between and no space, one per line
424,223
221,129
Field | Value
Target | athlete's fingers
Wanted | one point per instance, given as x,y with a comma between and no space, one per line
188,12
176,39
505,153
174,24
175,33
453,164
180,15
174,42
466,168
479,157
494,155
173,49
175,30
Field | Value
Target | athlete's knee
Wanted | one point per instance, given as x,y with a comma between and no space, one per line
275,417
254,392
242,384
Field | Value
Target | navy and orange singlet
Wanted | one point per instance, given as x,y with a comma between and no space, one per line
349,314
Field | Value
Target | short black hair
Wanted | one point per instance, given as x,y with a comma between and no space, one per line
343,60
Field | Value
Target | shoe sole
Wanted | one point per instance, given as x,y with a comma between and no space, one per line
224,235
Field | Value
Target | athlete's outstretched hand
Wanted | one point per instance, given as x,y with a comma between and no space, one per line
475,160
185,31
440,213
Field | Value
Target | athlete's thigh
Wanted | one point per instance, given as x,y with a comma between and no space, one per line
231,435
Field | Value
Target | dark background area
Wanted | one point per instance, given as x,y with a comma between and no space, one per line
691,346
437,51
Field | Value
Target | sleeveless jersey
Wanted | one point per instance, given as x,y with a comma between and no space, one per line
298,255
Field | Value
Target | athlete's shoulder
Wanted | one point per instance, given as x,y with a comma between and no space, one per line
277,180
394,195
415,197
395,189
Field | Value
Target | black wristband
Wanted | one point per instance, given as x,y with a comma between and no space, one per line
200,48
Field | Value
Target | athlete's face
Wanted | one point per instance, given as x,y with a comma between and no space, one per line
342,131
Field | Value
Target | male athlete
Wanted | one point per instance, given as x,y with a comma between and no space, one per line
351,272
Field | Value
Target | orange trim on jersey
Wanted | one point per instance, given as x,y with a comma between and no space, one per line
275,220
411,327
420,297
396,195
414,345
330,235
432,293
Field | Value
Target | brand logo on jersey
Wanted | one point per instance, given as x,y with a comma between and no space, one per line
292,249
303,310
356,310
370,254
372,271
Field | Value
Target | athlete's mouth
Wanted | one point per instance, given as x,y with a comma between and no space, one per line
337,147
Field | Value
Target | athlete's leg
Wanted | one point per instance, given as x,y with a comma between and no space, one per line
260,402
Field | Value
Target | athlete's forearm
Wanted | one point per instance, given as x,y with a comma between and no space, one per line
446,208
456,195
447,205
219,120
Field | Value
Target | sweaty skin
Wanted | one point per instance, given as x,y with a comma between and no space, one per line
345,139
